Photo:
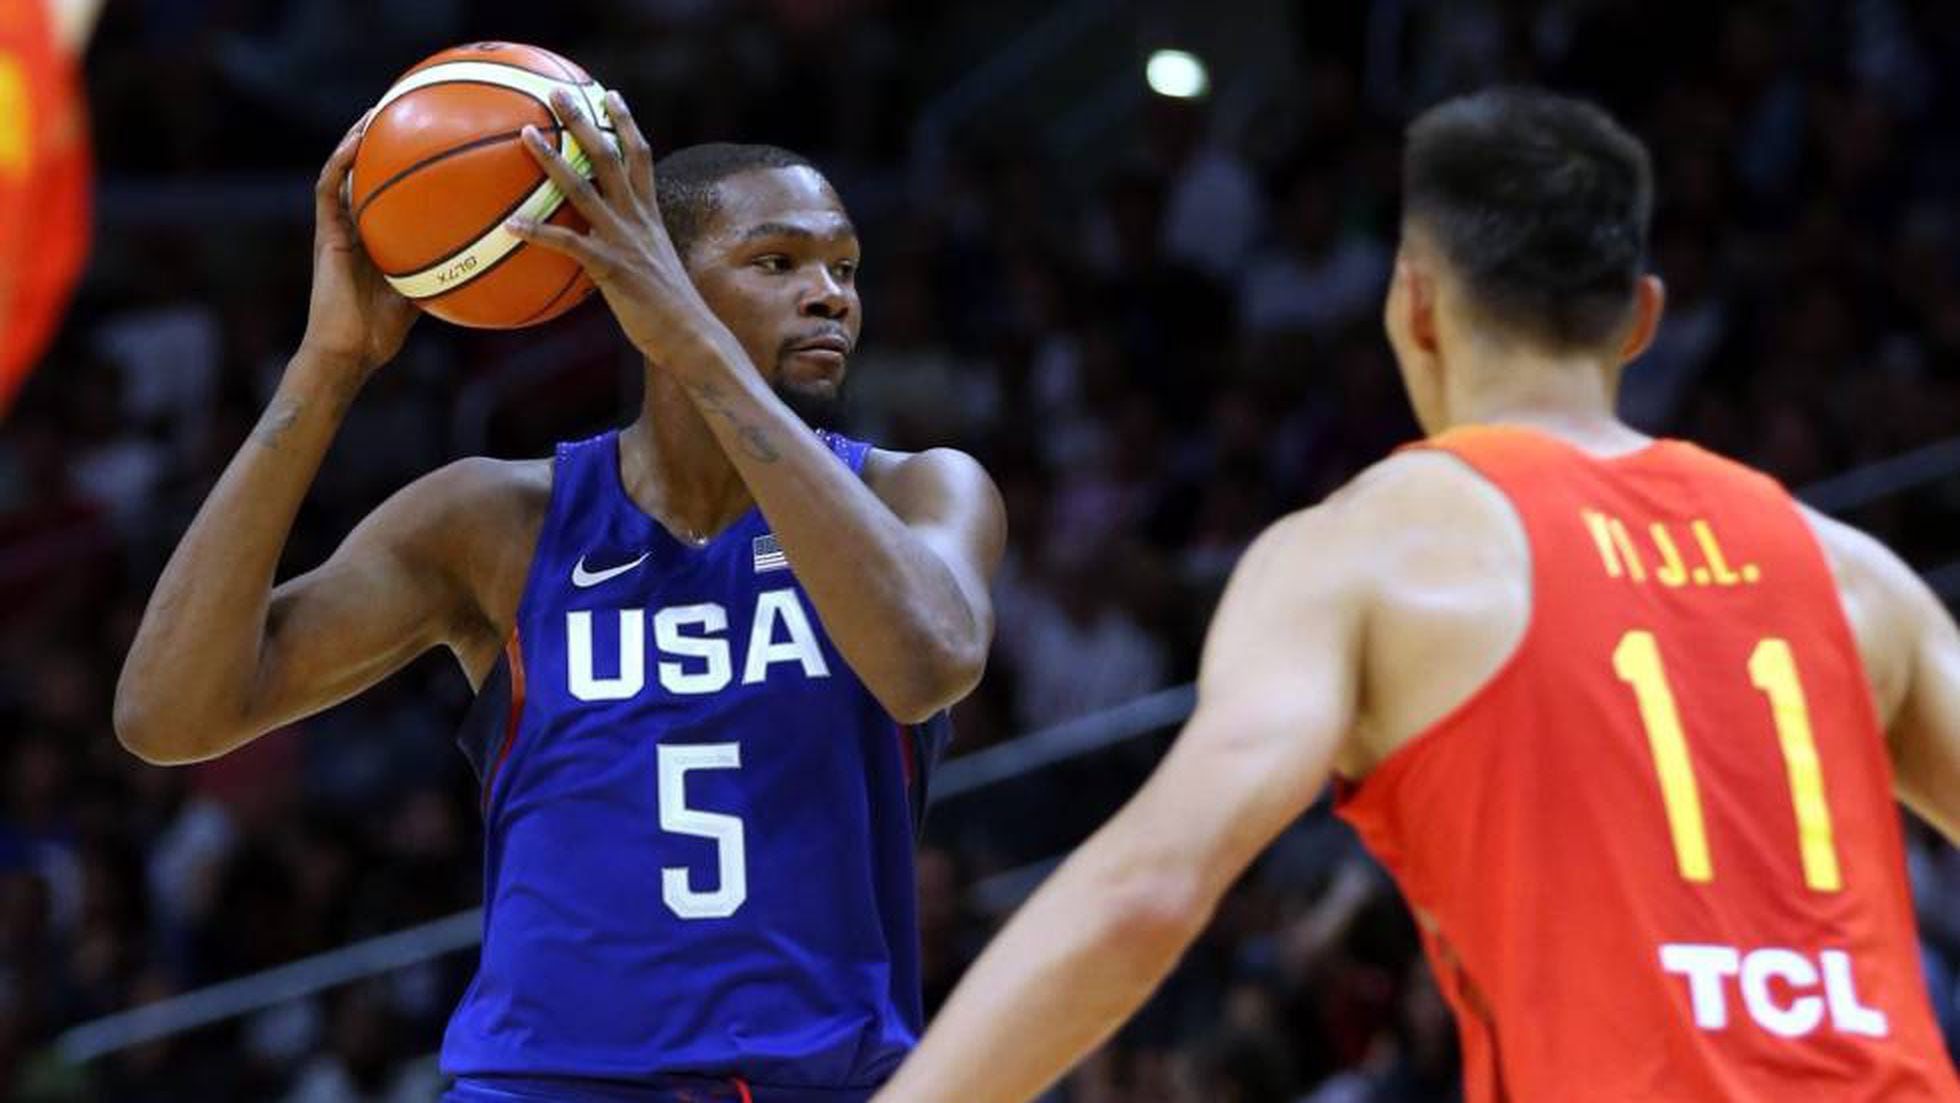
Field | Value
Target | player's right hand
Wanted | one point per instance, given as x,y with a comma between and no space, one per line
354,317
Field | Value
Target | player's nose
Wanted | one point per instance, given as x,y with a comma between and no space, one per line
826,297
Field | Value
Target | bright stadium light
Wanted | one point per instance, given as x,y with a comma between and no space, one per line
1176,74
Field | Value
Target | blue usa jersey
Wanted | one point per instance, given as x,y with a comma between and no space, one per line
699,824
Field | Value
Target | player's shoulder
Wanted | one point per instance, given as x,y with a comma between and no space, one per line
885,464
478,492
1878,588
1422,478
475,521
1888,606
1418,518
935,482
467,518
1410,500
482,480
1857,559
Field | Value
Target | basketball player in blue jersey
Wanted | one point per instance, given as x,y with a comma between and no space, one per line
708,648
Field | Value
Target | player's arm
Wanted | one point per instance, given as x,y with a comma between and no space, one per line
1920,702
223,656
1925,734
1276,697
900,580
1911,653
897,563
219,656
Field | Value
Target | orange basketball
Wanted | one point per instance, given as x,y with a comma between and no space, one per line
442,165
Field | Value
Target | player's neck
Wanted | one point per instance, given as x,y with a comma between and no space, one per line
675,470
1569,397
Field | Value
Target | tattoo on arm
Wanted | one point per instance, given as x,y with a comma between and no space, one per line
273,426
755,439
285,412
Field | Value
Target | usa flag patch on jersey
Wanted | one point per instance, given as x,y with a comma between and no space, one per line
769,554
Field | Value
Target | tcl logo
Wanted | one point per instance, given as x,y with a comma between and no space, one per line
1791,1007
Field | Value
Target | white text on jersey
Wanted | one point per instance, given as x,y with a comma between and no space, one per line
1794,1015
692,648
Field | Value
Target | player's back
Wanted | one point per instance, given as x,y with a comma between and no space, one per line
1655,856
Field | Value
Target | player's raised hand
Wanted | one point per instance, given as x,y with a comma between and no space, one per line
627,251
353,317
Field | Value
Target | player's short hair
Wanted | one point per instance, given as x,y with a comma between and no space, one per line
1540,202
687,182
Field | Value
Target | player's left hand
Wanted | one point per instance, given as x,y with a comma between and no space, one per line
627,251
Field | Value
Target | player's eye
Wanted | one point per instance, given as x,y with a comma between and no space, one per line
772,262
845,270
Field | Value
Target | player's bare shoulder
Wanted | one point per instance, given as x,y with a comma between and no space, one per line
892,473
946,490
1440,559
1884,602
477,520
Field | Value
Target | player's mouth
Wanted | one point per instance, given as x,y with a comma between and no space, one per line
827,351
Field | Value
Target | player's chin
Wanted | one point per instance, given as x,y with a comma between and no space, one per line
817,400
813,369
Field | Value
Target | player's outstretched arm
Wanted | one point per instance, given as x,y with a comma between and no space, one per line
898,574
208,668
1276,697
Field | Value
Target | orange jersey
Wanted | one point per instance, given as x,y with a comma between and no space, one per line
44,186
1656,857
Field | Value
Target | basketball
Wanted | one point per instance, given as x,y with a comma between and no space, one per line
442,165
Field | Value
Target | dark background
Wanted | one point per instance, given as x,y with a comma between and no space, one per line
1156,322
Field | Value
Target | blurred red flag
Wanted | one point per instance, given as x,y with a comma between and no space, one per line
44,186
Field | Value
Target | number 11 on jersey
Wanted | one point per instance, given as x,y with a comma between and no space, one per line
1773,670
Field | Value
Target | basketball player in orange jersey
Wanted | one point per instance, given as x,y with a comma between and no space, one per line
712,649
1624,721
44,175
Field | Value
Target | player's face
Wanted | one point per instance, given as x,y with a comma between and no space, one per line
777,263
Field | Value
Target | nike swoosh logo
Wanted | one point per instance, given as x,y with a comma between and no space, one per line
583,578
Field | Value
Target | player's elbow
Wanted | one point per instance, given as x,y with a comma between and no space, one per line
937,675
149,727
141,731
1155,911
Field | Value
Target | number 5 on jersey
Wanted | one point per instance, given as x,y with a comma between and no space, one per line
731,855
1773,670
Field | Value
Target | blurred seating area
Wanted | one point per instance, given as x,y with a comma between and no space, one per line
1156,321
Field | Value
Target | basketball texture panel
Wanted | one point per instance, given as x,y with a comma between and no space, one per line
440,121
426,216
526,286
517,54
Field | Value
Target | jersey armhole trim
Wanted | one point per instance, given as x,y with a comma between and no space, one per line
514,654
532,570
1353,788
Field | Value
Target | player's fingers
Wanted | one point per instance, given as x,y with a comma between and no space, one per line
330,215
573,113
559,239
577,189
633,145
337,166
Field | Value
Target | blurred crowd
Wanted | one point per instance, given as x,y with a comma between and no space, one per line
1157,341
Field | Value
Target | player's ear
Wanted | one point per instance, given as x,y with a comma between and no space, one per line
1419,304
1649,300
